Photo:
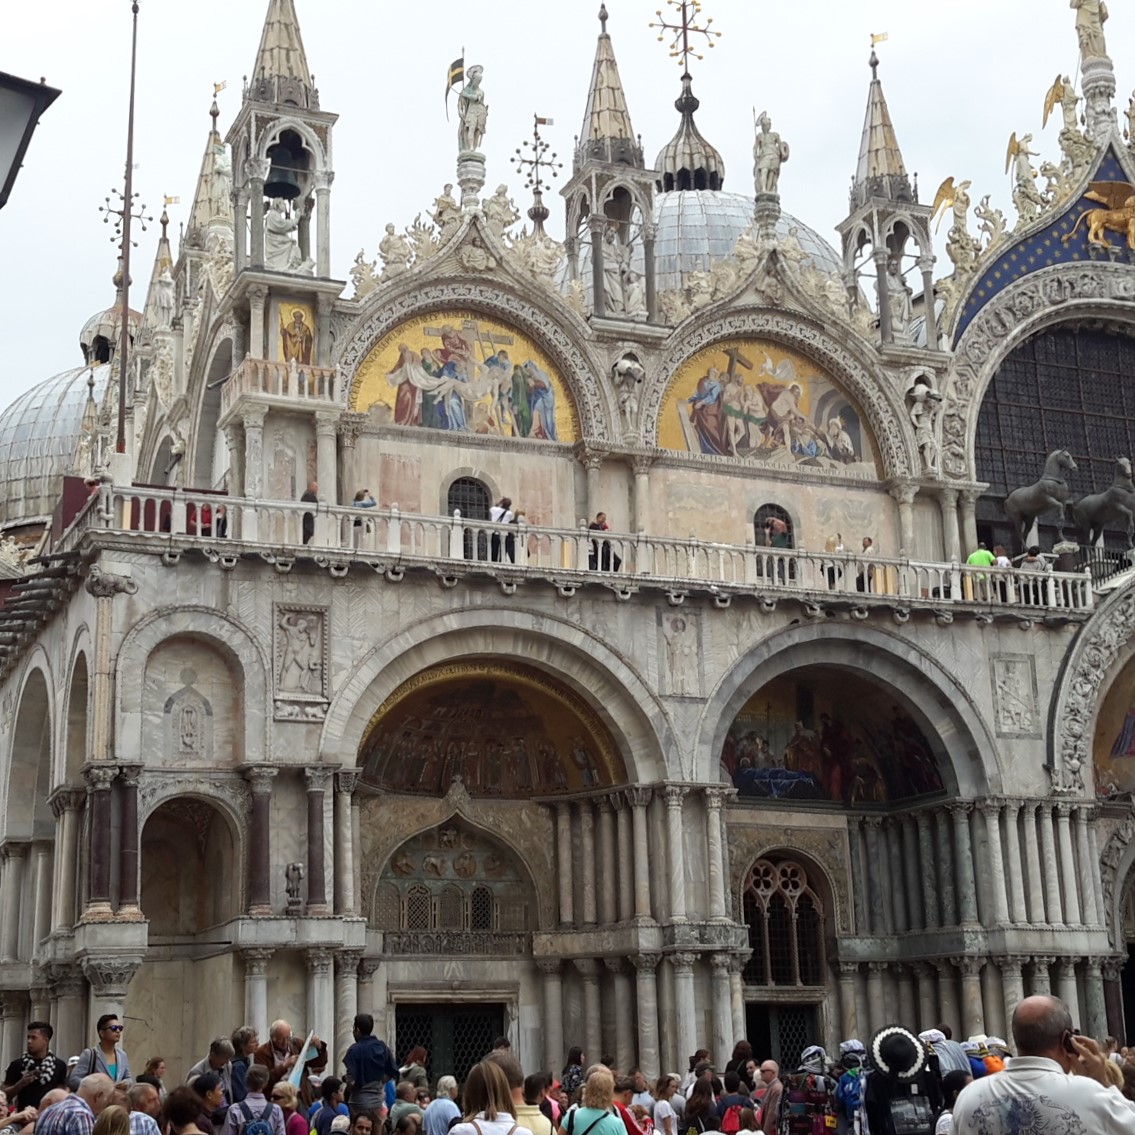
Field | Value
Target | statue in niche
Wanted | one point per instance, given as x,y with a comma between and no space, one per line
163,299
681,655
189,728
770,152
1091,15
902,304
281,247
293,877
500,212
301,667
472,111
622,286
924,404
446,214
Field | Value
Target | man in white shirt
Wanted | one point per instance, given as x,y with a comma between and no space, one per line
1036,1092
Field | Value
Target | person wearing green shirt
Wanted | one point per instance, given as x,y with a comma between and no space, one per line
981,557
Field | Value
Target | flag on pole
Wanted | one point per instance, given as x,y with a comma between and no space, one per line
456,79
879,37
545,121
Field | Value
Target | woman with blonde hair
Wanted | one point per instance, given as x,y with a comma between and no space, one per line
489,1109
594,1115
114,1120
285,1095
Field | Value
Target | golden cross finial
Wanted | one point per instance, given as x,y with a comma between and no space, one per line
686,13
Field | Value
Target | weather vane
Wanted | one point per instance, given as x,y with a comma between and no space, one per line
121,212
686,12
533,163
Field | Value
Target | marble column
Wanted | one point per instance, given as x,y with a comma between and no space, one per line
995,863
128,843
234,442
948,994
67,804
872,826
688,1031
722,1002
321,991
849,1018
592,461
1095,1007
646,996
973,1012
257,340
624,1017
737,994
1113,994
346,1001
345,782
625,844
1066,989
1088,870
992,1001
1097,882
915,874
929,874
638,799
947,892
260,778
256,201
906,992
256,988
963,862
675,852
99,781
323,179
607,867
893,870
553,995
1037,915
969,517
876,995
372,992
13,1020
640,465
317,777
948,505
715,847
1068,873
564,864
904,494
42,876
589,969
14,857
858,876
1012,982
1018,912
1041,982
70,994
1053,904
327,455
253,418
928,1015
586,819
668,1052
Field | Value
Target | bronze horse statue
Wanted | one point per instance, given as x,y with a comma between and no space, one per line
1049,494
1113,508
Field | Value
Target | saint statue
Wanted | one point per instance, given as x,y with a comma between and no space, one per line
770,152
902,305
301,665
446,214
395,252
924,403
163,298
1091,15
623,290
297,338
281,249
473,112
500,212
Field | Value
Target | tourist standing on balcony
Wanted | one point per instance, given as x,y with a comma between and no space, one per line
602,558
310,497
500,513
364,498
864,581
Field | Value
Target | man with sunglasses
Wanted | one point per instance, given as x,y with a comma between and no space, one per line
107,1056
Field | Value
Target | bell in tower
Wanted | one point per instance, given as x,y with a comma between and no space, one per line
289,168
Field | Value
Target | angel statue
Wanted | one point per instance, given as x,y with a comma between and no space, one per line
962,247
1026,196
1063,92
1091,15
1129,133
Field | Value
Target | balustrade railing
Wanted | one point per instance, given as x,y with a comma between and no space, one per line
390,537
280,380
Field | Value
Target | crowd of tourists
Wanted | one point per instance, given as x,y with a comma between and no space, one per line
1051,1079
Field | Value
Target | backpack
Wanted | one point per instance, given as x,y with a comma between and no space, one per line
257,1125
847,1092
731,1120
805,1107
695,1127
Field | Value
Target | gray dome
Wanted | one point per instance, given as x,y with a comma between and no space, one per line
39,439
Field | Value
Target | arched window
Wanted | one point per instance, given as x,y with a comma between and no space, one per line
779,534
470,497
481,909
786,926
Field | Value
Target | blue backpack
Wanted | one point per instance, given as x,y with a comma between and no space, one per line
847,1092
257,1124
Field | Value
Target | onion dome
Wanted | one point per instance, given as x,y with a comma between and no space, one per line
688,161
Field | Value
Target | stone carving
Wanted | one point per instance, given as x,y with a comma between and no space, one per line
770,152
924,402
629,375
103,585
423,241
1091,15
395,252
154,789
500,211
1115,505
472,111
110,976
463,943
962,247
446,215
1015,695
993,226
293,882
1026,196
465,865
539,257
281,248
474,257
219,263
1049,494
363,276
1110,860
188,721
161,371
902,304
623,290
1129,129
680,635
163,299
302,660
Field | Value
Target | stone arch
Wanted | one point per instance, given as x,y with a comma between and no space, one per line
941,706
1117,873
606,681
539,317
853,371
219,631
74,747
208,412
28,814
1064,293
472,473
310,138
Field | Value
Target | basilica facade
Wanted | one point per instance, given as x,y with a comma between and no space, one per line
757,754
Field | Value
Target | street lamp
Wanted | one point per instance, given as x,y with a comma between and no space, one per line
21,104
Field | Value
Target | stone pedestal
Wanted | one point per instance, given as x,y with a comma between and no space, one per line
471,178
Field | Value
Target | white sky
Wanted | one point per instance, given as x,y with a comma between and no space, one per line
959,79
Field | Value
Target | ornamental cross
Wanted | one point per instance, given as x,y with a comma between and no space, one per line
118,209
686,13
534,161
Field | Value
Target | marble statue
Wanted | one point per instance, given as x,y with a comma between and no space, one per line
539,256
423,242
220,264
1026,196
770,152
446,214
161,371
924,403
500,212
962,247
1069,105
1091,15
281,248
622,287
363,276
163,299
473,112
902,304
1131,120
630,374
293,875
394,251
791,248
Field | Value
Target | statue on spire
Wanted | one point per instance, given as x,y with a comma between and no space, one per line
1091,15
473,112
770,152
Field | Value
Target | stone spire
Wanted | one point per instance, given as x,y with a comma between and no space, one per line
212,203
281,75
688,161
607,134
881,172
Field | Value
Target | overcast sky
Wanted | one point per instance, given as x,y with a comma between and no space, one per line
959,79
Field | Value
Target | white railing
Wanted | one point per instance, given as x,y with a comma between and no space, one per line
280,380
391,537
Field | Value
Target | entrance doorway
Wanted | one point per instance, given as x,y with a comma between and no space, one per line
456,1034
781,1032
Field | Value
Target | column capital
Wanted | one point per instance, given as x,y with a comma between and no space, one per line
319,960
1086,811
1063,810
944,966
969,965
368,967
716,795
347,962
641,463
1094,967
256,962
989,807
13,1003
959,810
720,963
318,777
67,800
67,980
1018,961
674,794
563,810
258,295
549,967
260,777
346,781
351,428
1043,961
738,962
110,975
874,821
588,968
638,797
253,417
1012,806
326,423
848,969
604,806
591,457
970,497
948,497
878,967
1113,967
131,774
922,970
15,849
904,491
1066,967
646,962
615,965
683,962
100,777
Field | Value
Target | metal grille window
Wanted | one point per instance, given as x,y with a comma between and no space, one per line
785,919
418,909
481,909
470,497
1062,389
763,515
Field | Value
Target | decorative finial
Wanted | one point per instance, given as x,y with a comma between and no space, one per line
164,222
533,163
873,62
603,19
686,14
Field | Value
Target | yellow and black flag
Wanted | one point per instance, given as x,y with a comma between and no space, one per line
456,79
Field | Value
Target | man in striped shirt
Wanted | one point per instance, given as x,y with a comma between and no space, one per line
75,1115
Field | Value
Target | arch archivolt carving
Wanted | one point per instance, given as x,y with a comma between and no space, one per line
882,406
1117,861
1064,292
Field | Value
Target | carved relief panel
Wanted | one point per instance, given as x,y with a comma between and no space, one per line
1015,708
301,660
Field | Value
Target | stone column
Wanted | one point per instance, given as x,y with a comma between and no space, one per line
41,922
240,229
1066,989
321,992
1012,982
70,993
973,1012
1097,881
932,918
737,993
1048,858
1018,912
723,1038
675,854
587,861
914,873
926,267
687,1030
649,235
345,782
639,798
554,1051
991,812
564,863
257,340
641,464
256,988
876,995
14,856
108,978
327,455
253,419
318,777
1113,994
646,995
234,441
592,461
323,180
872,825
592,1005
99,779
1041,982
260,777
849,1019
993,1001
624,840
66,803
1033,862
969,520
372,992
346,1001
948,994
947,893
1088,870
948,505
886,324
597,224
624,1017
608,869
963,864
1095,1007
894,870
13,1019
1067,864
128,844
904,493
258,171
718,908
858,875
927,993
906,992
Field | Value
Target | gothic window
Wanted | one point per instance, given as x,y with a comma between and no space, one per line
785,919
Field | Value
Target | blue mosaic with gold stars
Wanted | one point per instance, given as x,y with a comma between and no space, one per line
1047,247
